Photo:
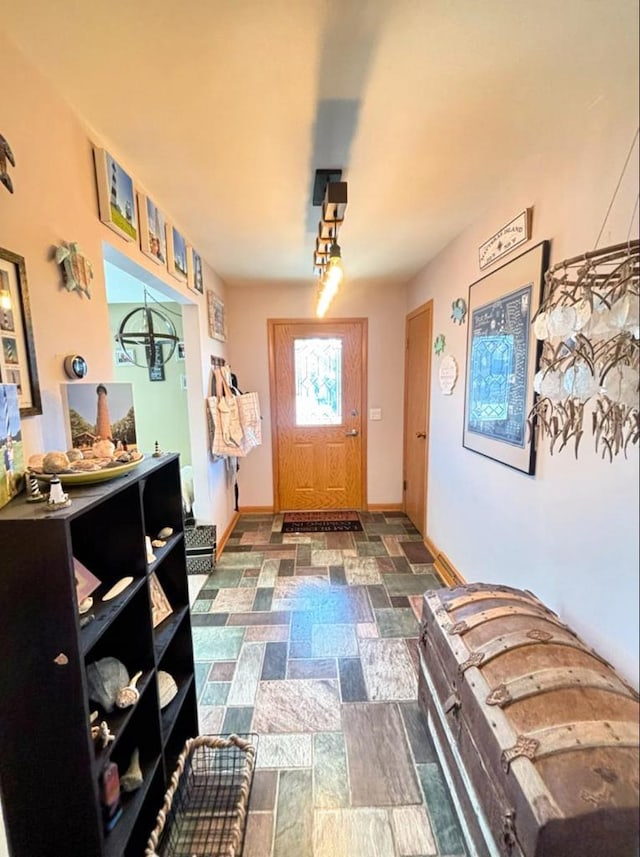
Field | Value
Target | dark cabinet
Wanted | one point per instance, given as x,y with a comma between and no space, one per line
50,766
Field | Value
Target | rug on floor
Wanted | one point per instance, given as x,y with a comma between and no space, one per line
321,522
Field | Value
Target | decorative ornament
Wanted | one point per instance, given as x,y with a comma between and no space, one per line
77,270
34,494
6,155
57,498
448,374
459,311
439,344
157,452
151,328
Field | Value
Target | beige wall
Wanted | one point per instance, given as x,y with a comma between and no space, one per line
248,309
570,534
55,200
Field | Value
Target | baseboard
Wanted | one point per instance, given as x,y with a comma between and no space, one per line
225,536
384,507
443,565
256,510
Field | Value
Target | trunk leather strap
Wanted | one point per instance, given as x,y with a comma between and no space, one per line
555,678
501,612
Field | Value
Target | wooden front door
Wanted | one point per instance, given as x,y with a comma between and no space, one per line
317,381
417,390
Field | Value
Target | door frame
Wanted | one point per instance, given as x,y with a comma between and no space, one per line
428,309
328,322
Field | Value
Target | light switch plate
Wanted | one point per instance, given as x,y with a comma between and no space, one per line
375,413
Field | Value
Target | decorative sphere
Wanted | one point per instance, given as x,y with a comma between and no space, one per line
152,329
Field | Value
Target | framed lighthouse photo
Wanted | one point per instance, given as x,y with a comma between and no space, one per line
97,412
116,196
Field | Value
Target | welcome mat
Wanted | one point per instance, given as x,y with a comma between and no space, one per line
321,522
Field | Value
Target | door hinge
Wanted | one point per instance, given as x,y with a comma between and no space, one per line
404,484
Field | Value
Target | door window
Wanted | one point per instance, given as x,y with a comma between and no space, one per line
318,381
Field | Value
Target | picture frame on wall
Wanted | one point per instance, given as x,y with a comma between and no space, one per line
116,196
176,253
216,317
502,358
17,349
12,458
195,279
122,358
156,366
153,236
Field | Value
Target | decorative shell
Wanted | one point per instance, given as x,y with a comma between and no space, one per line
55,462
165,532
167,688
74,455
35,461
130,694
104,679
103,449
117,588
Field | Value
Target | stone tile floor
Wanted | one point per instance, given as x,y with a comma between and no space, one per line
309,640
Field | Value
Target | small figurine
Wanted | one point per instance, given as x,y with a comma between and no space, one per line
34,494
157,452
105,735
57,498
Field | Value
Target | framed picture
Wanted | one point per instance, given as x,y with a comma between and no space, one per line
156,365
180,352
99,411
153,236
17,351
215,317
195,279
116,197
176,254
502,357
160,606
121,357
12,464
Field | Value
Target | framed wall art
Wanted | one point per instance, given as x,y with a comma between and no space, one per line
116,197
215,317
12,463
156,365
176,254
153,236
17,349
195,279
502,356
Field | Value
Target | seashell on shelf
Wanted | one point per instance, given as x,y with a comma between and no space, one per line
158,543
55,462
35,461
130,694
104,679
74,455
103,449
132,777
167,688
165,532
117,588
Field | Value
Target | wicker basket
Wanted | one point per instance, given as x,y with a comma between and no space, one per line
205,807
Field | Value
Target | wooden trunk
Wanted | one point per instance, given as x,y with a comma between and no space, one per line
537,733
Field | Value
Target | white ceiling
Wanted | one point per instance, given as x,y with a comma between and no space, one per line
223,109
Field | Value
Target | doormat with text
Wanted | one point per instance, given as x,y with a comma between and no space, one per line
321,522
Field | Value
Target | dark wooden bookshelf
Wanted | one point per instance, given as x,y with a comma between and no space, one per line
50,767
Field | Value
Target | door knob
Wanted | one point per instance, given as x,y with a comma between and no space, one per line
421,434
352,433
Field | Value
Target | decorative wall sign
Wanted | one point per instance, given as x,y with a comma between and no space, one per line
77,270
501,360
176,254
439,344
447,374
195,279
160,606
156,362
215,317
6,156
516,232
459,311
116,198
17,350
153,238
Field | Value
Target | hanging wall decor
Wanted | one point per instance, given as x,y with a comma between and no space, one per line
515,233
153,238
459,311
447,374
501,360
6,157
195,279
216,317
17,349
77,270
176,254
439,344
116,198
590,329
